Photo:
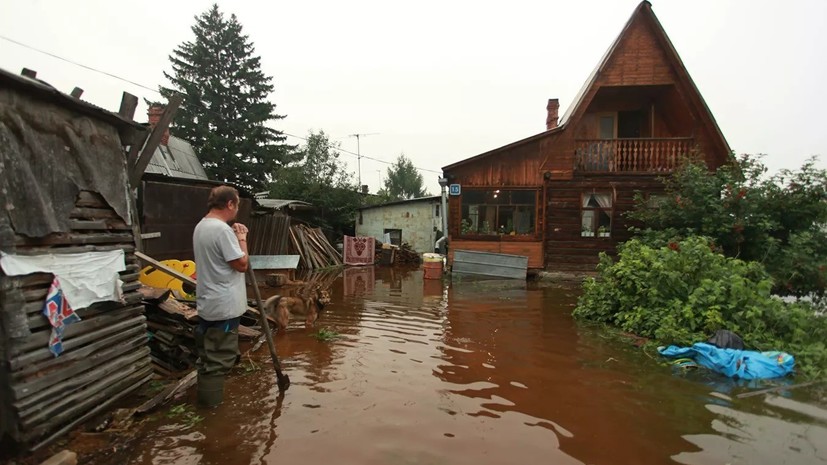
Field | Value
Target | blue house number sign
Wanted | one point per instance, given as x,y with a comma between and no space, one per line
454,189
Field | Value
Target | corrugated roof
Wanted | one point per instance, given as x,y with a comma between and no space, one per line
47,92
278,204
398,202
177,159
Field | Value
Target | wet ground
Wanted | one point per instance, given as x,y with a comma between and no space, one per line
475,372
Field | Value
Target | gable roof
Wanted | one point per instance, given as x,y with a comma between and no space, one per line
177,159
642,11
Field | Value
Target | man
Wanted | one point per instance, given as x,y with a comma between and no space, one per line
220,260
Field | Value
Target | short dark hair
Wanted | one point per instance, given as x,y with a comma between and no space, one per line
219,196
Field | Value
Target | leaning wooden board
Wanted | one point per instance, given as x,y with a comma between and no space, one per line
161,267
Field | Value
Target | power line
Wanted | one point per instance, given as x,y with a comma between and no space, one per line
78,64
156,91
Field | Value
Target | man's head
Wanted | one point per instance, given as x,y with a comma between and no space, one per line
224,199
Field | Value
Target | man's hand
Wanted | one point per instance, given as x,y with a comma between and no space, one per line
240,231
241,264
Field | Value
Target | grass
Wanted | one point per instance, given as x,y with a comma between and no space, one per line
185,414
325,335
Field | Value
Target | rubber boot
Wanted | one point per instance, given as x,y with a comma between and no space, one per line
210,390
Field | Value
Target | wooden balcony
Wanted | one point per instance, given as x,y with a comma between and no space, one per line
656,155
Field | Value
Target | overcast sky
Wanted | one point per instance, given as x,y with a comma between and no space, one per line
445,80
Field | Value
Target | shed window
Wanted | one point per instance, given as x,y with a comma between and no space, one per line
499,212
596,215
395,235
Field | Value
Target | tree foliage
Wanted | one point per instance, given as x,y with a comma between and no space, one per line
225,114
402,181
318,177
776,220
682,292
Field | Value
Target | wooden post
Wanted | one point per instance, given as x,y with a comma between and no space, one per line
154,140
129,103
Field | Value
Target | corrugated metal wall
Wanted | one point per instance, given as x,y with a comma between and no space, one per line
173,207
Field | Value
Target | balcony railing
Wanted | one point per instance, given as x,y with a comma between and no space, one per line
631,155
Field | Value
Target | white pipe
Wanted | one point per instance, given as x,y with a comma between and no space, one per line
444,215
439,243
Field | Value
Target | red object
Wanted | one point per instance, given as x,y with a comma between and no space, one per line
433,270
359,250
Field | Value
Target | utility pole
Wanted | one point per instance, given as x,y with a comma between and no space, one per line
359,154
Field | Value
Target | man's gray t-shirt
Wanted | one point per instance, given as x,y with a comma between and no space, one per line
221,293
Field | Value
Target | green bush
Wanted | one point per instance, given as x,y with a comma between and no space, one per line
684,291
777,220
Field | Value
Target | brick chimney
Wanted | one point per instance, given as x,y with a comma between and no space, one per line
154,115
553,108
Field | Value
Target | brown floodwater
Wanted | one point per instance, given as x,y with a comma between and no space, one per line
471,372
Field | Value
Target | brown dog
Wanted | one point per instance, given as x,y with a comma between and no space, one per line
281,308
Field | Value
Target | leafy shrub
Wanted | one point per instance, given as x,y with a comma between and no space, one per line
684,291
777,220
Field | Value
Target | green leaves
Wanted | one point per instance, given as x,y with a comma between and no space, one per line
317,176
682,292
185,414
775,220
403,181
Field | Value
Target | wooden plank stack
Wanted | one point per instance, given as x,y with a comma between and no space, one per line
402,255
171,326
313,248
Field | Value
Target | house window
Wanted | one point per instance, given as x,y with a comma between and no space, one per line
498,212
596,215
436,211
395,235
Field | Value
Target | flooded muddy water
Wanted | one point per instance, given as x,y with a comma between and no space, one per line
471,372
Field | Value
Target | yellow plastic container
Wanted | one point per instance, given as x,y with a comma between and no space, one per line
155,278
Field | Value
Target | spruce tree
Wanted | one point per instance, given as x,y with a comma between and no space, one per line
225,114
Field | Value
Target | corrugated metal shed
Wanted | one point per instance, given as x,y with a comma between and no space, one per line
177,159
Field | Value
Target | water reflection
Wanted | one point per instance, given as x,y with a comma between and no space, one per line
473,372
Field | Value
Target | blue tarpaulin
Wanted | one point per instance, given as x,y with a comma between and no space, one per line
743,364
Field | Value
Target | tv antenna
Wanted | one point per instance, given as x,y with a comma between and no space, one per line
359,153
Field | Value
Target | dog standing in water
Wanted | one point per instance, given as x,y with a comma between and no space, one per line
282,308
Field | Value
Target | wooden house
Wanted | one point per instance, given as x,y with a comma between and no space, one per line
558,197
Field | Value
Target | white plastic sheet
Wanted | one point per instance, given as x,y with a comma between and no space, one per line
85,278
